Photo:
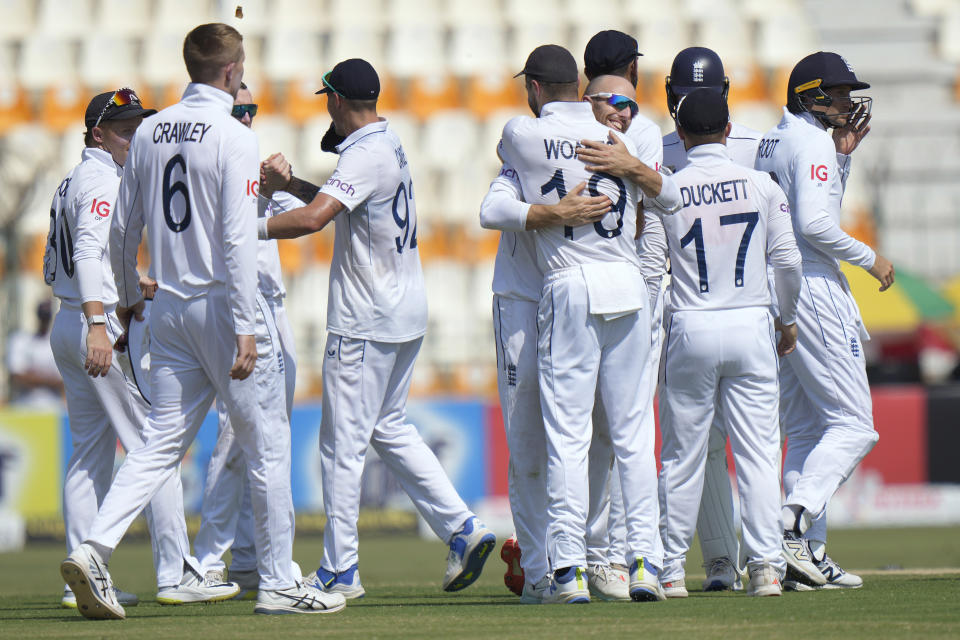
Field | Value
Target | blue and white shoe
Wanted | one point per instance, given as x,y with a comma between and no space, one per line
645,582
568,586
469,549
69,600
346,583
86,574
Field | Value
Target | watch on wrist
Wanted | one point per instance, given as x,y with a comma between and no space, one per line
92,320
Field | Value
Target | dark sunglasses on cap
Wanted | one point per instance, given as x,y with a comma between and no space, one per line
240,110
617,101
120,98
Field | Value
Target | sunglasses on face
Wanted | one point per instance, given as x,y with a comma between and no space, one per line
617,101
240,110
120,98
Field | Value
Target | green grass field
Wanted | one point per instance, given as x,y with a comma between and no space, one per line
912,590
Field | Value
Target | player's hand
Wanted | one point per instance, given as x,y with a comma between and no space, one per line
275,174
246,358
575,209
788,337
126,313
882,270
148,287
847,138
99,351
613,158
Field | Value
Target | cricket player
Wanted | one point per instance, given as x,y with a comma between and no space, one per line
226,519
376,318
590,323
187,180
720,349
103,400
693,68
825,405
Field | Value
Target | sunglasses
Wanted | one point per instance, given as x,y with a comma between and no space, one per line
617,101
326,82
120,98
240,110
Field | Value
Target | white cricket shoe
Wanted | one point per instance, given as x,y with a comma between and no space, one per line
722,575
764,581
299,598
645,582
87,576
675,588
798,557
193,588
248,581
836,577
568,586
69,600
533,593
469,549
607,584
346,583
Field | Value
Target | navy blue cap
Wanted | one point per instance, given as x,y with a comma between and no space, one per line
353,79
703,112
823,69
551,63
608,51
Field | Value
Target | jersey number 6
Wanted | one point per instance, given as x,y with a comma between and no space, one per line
169,190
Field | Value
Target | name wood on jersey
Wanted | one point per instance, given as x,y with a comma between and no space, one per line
178,132
726,191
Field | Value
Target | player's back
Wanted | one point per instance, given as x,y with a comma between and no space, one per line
90,190
377,289
543,151
718,238
193,162
801,157
741,147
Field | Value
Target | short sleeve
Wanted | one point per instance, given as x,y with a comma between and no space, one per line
354,179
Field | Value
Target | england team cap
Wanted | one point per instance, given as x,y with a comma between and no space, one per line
105,107
353,79
609,50
551,63
823,69
703,112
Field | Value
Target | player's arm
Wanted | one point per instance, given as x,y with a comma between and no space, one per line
503,207
90,243
312,217
240,163
653,251
784,256
276,174
126,230
614,158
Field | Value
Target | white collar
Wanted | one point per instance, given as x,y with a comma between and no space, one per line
710,153
199,93
362,132
579,109
805,116
101,156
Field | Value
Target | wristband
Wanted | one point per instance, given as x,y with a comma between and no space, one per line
92,320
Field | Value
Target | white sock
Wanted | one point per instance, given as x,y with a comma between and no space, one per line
818,549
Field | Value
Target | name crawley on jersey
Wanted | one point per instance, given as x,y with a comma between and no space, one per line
178,132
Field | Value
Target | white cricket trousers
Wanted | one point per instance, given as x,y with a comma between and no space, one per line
226,518
581,357
825,404
726,359
101,410
192,348
365,387
515,332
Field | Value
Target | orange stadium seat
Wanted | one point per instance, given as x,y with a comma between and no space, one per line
428,95
63,107
747,85
31,254
300,104
488,93
291,256
14,108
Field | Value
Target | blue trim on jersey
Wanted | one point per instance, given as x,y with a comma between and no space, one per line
843,327
123,246
666,353
817,313
339,348
342,149
500,346
133,371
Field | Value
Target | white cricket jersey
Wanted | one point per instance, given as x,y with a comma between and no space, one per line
543,151
376,282
269,273
799,153
741,147
732,219
645,136
515,271
190,179
77,258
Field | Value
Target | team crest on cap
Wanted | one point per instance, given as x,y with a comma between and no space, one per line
849,68
698,71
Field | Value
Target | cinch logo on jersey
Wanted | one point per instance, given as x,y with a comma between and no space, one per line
401,157
101,208
818,172
509,173
180,132
343,186
557,149
726,191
